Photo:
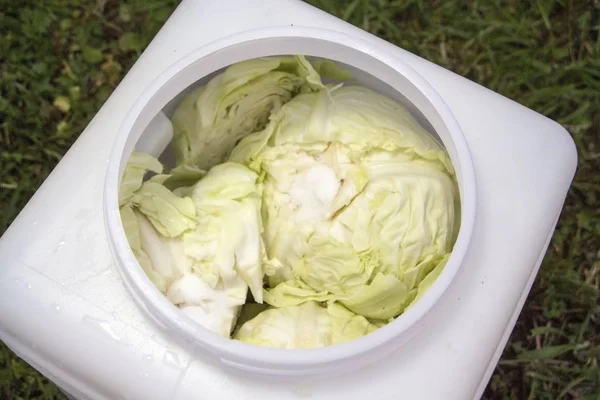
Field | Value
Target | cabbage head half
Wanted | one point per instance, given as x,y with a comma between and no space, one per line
359,201
200,243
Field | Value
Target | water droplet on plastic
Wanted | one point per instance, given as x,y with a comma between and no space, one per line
56,307
148,358
60,245
101,325
21,281
172,360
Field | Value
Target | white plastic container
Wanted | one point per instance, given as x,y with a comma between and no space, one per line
66,311
386,74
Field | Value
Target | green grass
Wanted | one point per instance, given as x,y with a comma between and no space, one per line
60,60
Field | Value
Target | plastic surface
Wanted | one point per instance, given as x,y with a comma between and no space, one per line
157,135
57,274
401,82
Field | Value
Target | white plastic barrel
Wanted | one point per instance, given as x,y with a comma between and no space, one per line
58,275
146,128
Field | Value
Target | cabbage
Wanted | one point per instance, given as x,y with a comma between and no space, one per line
359,201
204,251
211,119
353,115
214,308
129,218
227,244
300,214
170,215
305,326
133,176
